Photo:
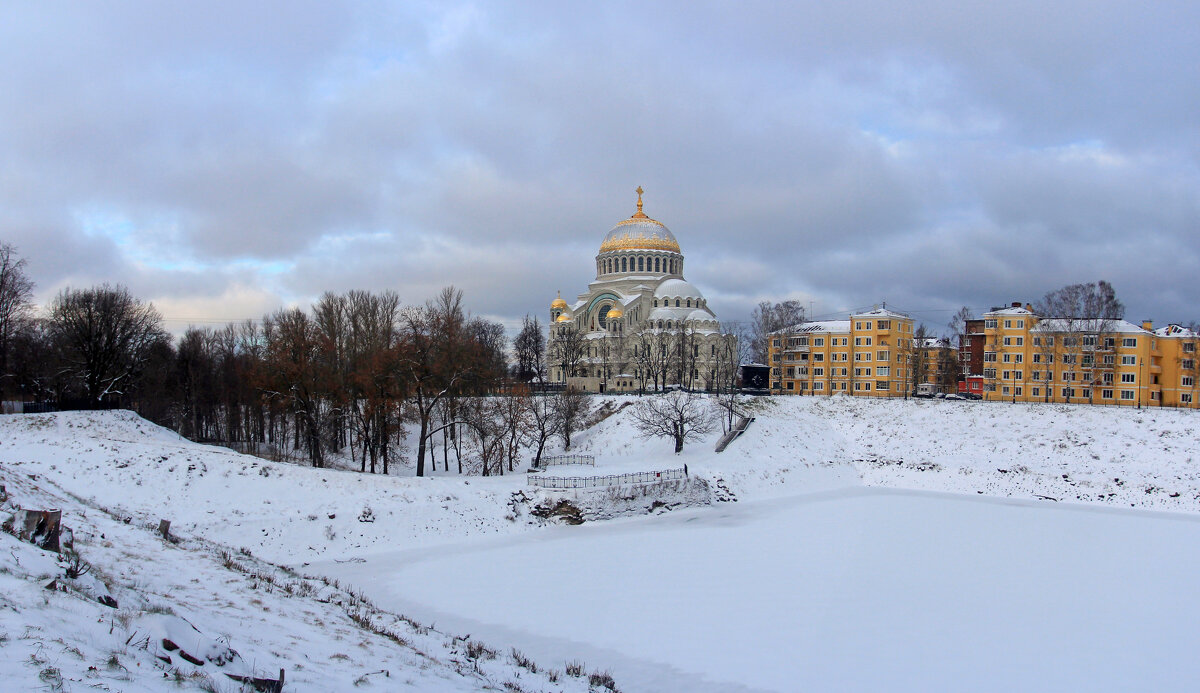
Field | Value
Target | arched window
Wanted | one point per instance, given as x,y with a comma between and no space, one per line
656,303
640,267
689,303
624,265
676,303
655,264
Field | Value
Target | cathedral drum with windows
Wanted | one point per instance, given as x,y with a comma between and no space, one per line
640,325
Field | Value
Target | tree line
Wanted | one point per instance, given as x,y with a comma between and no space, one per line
356,374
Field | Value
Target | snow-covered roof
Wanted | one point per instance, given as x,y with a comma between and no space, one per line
934,343
677,288
1174,330
1108,327
880,313
1016,310
833,326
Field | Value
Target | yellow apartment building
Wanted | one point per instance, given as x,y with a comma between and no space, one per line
866,356
1029,358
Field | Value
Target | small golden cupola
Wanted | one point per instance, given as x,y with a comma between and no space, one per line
558,303
563,318
615,313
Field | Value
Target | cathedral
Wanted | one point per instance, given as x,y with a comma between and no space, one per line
640,325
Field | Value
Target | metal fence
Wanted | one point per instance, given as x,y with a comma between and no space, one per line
553,460
610,480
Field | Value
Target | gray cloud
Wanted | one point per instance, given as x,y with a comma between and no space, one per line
933,155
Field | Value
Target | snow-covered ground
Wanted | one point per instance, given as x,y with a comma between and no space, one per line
811,562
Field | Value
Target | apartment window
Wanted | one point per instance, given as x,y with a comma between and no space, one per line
1109,360
819,358
1037,375
1186,381
1017,376
1008,341
1037,391
1106,394
1068,377
1018,358
989,387
1087,360
1128,360
1129,342
818,371
1069,359
884,356
884,324
1008,358
791,385
1020,341
1008,324
818,386
791,372
1109,342
1004,390
1189,347
1107,378
775,342
989,357
1020,323
881,385
1018,390
858,386
1037,358
1068,392
989,373
1185,398
844,372
989,324
819,341
1129,377
858,326
775,372
883,371
1188,364
860,356
1127,394
862,372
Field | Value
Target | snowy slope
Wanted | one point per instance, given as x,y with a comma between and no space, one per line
230,613
103,468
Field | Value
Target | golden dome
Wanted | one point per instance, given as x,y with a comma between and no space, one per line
563,318
559,302
615,313
640,232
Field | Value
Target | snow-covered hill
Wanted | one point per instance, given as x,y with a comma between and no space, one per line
115,475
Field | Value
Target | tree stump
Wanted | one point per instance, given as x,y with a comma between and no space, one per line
164,528
41,527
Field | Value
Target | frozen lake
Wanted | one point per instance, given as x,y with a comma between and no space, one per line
863,590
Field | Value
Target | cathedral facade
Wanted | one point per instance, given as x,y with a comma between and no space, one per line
640,325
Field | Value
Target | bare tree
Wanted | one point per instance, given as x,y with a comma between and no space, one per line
432,359
769,317
16,307
544,424
727,364
1084,316
918,358
567,348
295,375
571,408
530,351
103,335
680,416
958,334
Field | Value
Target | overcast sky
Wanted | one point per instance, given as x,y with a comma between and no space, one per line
224,159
